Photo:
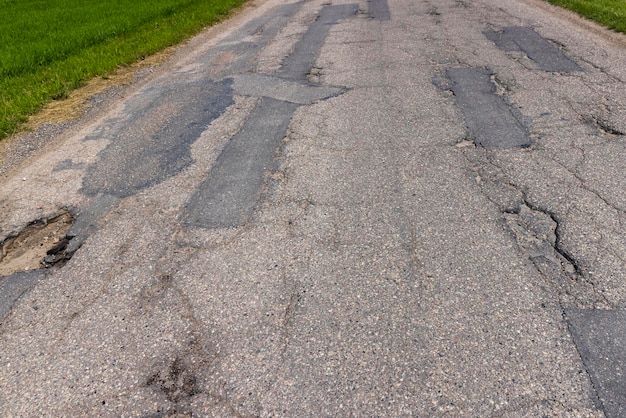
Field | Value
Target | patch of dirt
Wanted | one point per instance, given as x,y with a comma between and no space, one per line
40,244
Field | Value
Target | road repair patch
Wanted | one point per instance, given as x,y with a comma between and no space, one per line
491,121
378,9
542,52
600,336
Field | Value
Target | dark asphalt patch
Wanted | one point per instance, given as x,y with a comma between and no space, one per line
600,336
228,196
14,286
298,65
231,191
141,155
490,120
541,51
378,9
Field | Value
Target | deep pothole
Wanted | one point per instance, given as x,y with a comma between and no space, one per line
41,244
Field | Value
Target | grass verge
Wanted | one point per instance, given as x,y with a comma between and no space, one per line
610,13
48,48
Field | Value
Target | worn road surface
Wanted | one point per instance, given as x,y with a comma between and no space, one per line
332,208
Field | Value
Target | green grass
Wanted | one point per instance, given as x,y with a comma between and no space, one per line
49,47
610,13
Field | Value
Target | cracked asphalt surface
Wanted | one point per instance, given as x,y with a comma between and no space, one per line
335,208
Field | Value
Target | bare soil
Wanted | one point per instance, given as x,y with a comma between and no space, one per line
29,248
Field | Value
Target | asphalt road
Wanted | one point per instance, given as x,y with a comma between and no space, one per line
333,208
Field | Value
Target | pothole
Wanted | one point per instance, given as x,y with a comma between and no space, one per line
42,244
